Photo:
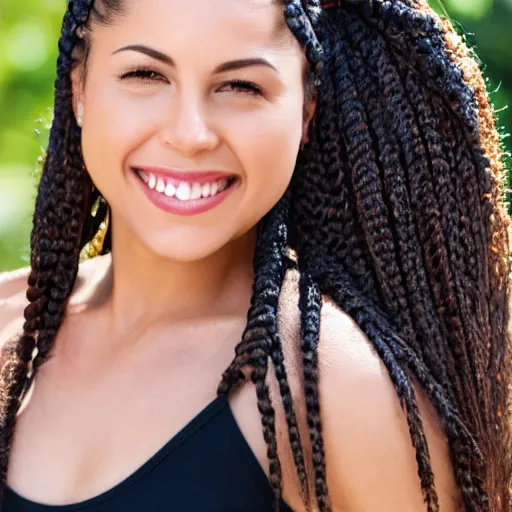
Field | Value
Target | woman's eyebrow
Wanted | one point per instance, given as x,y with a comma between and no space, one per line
221,68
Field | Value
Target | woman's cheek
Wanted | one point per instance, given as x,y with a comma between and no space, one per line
271,144
266,150
116,127
129,120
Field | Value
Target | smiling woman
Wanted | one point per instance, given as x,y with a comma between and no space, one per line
297,298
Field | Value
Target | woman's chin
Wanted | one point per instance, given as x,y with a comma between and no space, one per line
182,248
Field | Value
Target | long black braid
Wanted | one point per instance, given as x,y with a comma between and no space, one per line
61,204
261,342
394,210
376,68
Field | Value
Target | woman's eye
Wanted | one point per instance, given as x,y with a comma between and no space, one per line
149,75
143,75
243,86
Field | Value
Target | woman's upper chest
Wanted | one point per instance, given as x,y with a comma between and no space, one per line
90,422
100,410
206,465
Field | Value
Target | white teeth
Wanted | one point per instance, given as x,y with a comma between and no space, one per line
184,191
170,190
160,185
197,191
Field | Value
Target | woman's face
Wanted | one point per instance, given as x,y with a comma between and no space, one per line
206,86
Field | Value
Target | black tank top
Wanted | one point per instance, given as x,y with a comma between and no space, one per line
207,467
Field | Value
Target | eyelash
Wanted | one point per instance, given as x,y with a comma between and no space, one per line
145,74
141,74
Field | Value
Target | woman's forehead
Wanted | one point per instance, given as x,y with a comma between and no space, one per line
195,29
262,19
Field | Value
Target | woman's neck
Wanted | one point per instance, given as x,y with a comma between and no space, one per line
144,288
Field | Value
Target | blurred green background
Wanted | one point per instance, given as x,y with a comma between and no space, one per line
28,40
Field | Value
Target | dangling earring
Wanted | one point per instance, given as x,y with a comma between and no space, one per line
95,246
80,114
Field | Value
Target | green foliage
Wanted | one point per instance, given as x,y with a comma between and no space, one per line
29,32
28,52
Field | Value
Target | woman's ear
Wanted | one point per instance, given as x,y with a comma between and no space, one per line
309,114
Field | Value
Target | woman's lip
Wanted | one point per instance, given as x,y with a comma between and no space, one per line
179,175
185,208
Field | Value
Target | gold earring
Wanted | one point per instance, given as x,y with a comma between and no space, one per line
95,246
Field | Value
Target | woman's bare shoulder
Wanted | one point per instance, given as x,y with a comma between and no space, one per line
365,425
14,284
341,341
365,430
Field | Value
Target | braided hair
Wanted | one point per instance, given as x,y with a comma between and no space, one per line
395,211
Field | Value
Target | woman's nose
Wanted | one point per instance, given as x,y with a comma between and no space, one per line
186,128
